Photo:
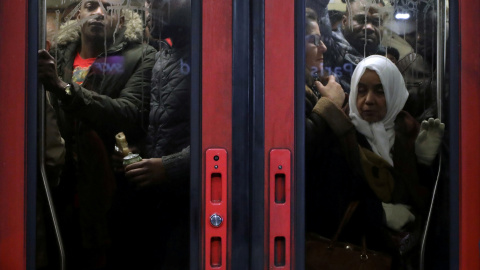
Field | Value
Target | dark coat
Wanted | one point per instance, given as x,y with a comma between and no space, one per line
169,129
169,138
114,97
337,173
420,81
333,174
111,101
342,59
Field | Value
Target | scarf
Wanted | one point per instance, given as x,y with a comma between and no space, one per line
380,135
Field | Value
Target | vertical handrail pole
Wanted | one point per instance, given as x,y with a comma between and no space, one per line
440,70
41,108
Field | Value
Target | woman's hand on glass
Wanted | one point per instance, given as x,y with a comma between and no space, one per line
428,140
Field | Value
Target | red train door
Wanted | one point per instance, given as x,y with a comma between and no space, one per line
247,154
469,146
18,137
250,124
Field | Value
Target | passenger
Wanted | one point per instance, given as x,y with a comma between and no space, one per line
166,170
319,154
376,103
336,18
373,157
320,7
359,38
395,31
361,26
393,54
419,68
100,84
314,49
148,38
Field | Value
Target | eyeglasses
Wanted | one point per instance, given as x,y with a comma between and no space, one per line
314,39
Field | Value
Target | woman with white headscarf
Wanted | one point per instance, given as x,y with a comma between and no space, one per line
372,155
377,96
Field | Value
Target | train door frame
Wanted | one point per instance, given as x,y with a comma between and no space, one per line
18,151
215,217
248,218
18,141
454,143
469,130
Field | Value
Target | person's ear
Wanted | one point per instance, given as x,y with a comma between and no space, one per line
344,21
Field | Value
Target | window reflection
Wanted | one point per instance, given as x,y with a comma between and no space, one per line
356,149
112,69
363,28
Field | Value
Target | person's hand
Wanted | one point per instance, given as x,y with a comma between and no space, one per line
146,172
428,140
332,91
397,215
47,73
117,158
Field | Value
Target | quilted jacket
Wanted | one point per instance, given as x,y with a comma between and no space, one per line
169,129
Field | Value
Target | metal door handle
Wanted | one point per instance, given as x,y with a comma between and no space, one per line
216,209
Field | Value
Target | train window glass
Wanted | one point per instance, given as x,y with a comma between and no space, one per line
373,64
118,164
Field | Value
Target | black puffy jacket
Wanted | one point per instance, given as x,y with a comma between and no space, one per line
169,129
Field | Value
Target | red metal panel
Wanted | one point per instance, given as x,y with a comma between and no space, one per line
280,203
216,208
279,116
13,47
217,102
469,136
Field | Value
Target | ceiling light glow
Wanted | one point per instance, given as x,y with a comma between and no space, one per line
402,16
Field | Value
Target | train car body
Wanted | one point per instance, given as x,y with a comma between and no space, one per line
247,120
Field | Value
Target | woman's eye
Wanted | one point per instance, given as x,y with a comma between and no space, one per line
310,39
313,39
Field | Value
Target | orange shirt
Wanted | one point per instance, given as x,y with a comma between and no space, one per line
80,68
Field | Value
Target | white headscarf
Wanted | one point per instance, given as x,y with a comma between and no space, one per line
380,135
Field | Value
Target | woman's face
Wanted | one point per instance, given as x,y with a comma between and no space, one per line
371,103
314,47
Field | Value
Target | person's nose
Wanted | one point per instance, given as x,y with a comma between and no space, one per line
369,27
99,12
369,98
322,48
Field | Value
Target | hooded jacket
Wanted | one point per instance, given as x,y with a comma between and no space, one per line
114,97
